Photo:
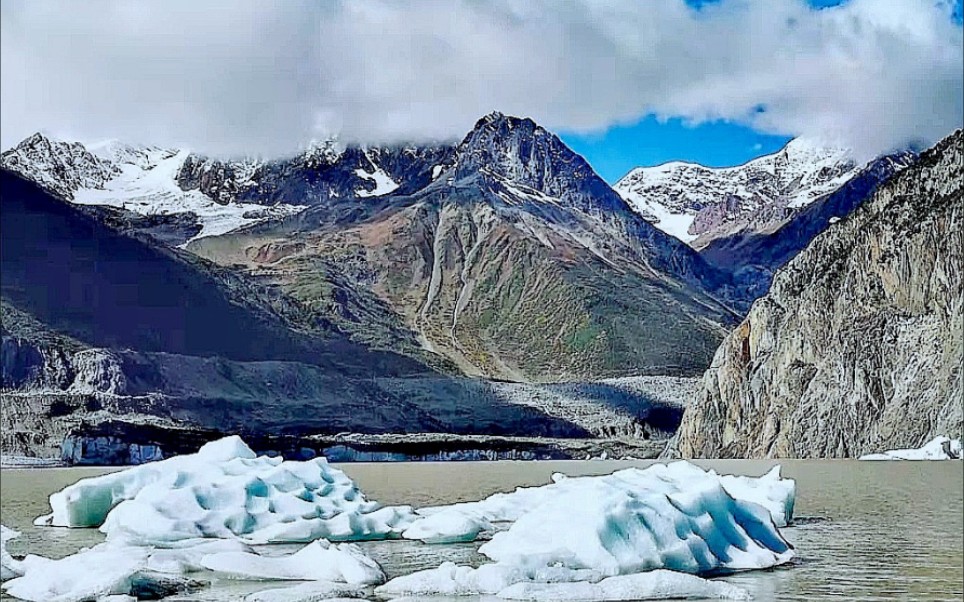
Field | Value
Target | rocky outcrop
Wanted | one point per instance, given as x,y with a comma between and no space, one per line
858,346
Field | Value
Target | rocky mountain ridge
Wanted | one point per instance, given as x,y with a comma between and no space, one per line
753,257
699,204
135,181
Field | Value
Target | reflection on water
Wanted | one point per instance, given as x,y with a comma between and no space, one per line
869,530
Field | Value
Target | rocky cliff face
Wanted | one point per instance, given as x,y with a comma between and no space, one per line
858,346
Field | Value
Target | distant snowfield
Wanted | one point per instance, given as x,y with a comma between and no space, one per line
674,224
150,188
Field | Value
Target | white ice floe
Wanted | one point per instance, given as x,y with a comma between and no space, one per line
9,567
652,585
939,448
119,568
104,570
317,561
187,556
555,584
448,527
225,491
464,521
454,580
584,538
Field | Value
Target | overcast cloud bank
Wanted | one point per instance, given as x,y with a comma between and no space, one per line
255,77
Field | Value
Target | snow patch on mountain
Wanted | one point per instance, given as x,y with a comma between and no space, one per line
324,152
384,184
119,153
154,191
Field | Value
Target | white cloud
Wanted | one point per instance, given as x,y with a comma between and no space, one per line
265,77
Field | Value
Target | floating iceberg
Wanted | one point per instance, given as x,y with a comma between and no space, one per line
118,568
448,527
606,527
939,448
653,585
9,567
454,580
317,561
465,521
225,491
585,530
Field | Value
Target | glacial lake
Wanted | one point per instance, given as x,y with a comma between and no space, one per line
864,530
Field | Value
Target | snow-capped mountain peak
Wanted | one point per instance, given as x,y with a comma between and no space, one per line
62,167
324,151
697,204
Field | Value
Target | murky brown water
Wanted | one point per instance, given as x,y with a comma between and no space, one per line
886,530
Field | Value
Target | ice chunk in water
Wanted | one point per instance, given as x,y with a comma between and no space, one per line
448,527
695,528
939,448
317,561
453,580
458,522
104,570
9,567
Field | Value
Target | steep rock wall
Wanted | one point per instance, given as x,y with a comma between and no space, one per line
858,345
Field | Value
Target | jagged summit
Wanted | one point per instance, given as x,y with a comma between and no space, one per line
61,167
512,153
